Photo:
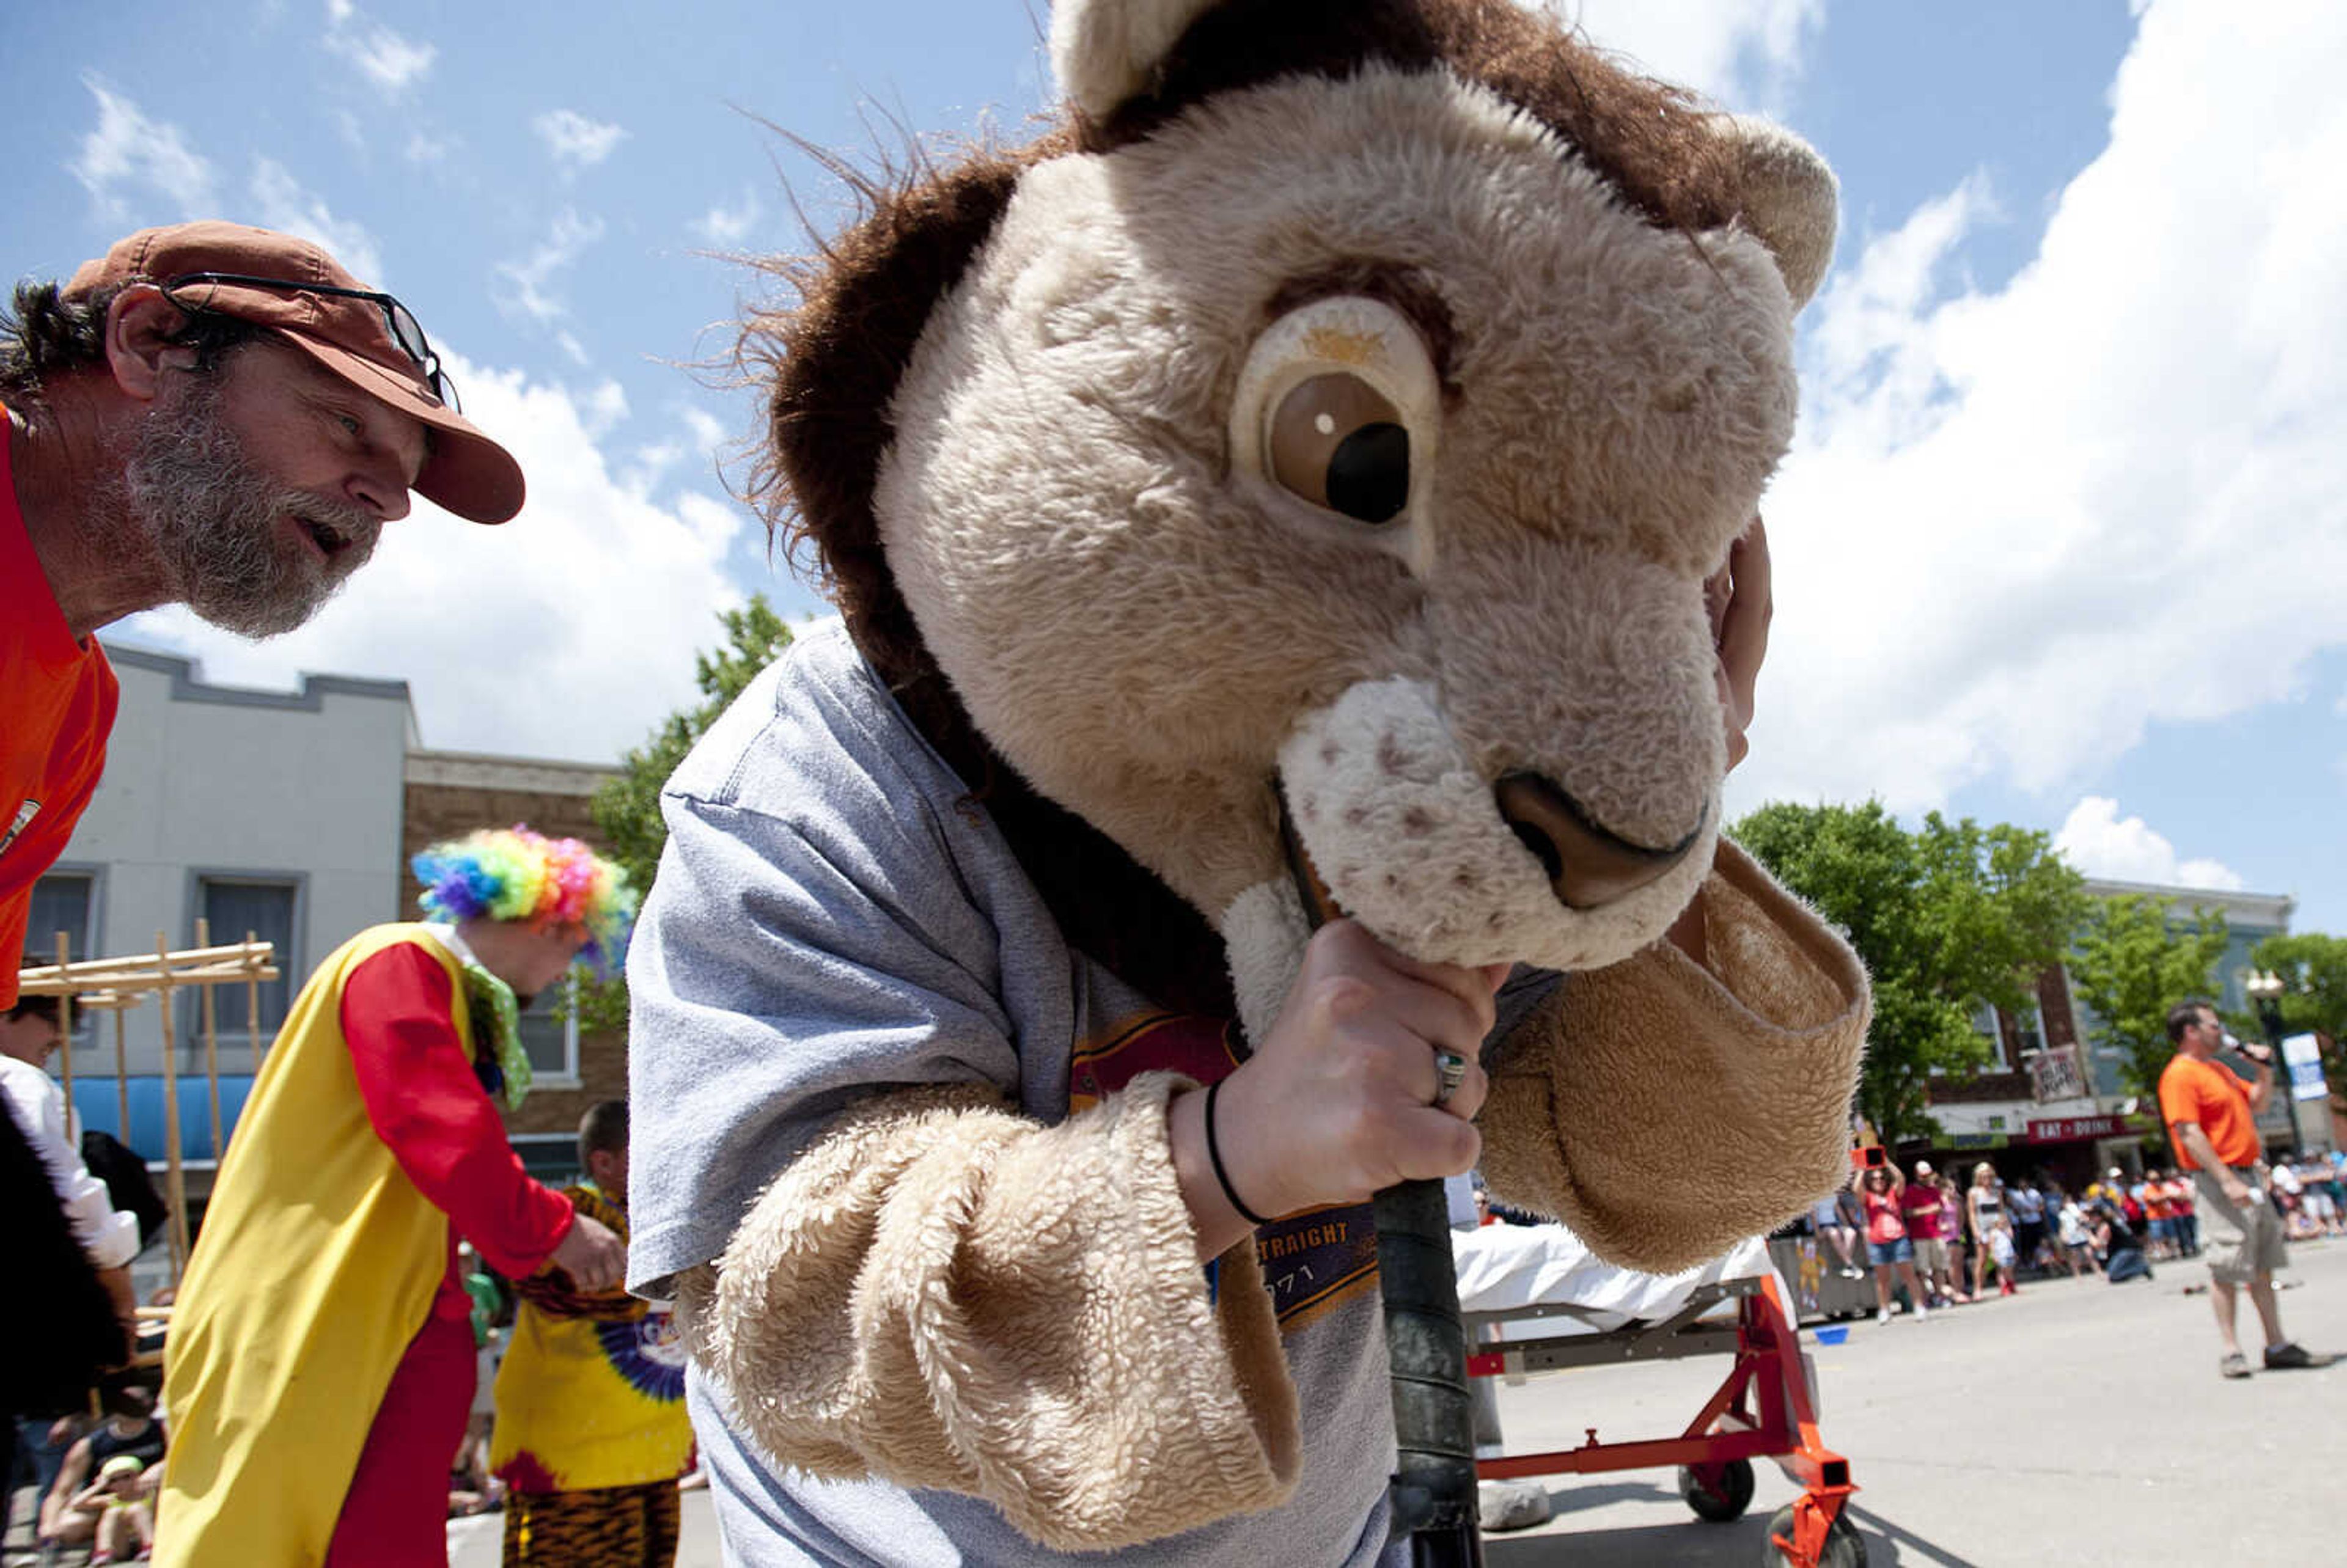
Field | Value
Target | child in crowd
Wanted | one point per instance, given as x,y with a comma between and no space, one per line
115,1513
592,1433
1985,1207
120,1458
2077,1245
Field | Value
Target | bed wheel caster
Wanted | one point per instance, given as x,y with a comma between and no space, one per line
1717,1492
1844,1547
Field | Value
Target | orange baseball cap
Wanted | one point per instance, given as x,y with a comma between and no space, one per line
365,337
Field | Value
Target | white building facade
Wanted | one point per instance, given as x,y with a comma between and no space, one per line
274,812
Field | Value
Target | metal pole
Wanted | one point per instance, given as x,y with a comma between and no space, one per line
212,1043
175,1174
2270,1021
1433,1490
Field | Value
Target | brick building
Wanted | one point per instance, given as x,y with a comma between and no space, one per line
2051,1100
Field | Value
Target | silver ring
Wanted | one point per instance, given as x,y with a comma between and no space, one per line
1453,1067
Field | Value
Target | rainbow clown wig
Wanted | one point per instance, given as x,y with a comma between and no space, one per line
513,874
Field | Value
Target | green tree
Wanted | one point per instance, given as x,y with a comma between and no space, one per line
2133,960
627,807
2313,966
1948,918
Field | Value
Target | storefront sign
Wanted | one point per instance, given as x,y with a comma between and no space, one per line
2076,1129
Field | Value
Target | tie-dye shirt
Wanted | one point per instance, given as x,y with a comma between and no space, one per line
591,1393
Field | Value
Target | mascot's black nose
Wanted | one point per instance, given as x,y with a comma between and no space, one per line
1587,864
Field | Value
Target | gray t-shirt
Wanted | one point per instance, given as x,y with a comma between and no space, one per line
834,917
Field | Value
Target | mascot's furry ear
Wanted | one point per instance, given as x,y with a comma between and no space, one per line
1789,198
1106,51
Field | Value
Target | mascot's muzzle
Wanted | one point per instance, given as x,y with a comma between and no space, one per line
1588,864
1382,800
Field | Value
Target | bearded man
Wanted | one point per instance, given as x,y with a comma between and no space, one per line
210,415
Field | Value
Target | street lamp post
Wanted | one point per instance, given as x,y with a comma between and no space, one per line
2264,989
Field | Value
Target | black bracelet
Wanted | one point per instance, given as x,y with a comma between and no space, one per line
1215,1153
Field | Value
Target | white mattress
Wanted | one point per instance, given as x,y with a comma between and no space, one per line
1506,1267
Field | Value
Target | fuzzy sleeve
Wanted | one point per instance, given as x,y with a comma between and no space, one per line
1666,1110
943,1293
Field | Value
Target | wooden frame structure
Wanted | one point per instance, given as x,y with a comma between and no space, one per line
119,984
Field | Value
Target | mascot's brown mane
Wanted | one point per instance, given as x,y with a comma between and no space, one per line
836,356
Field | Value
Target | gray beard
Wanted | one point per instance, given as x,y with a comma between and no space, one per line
208,516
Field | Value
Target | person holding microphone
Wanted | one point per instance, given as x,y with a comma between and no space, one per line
2211,1117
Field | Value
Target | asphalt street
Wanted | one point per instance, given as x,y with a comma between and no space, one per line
2077,1423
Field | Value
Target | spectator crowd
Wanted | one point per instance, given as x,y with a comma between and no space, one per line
1931,1242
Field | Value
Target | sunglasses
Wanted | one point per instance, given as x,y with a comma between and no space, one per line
397,319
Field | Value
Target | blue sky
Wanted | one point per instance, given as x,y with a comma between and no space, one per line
2061,541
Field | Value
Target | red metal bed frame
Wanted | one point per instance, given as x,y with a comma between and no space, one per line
1767,1408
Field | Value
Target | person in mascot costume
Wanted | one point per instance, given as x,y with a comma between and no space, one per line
1320,472
320,1362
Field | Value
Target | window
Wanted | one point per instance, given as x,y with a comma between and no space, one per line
549,1031
551,1157
65,901
62,901
265,907
1986,1025
2031,1028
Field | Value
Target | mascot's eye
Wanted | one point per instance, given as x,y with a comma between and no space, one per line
1339,406
1338,443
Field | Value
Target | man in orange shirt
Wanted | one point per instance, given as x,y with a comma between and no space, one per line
207,414
2213,1121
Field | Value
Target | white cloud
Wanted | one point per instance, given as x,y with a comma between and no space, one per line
286,206
602,409
569,632
128,153
533,274
729,226
1745,54
2095,840
703,434
391,62
423,146
651,463
2019,525
575,140
709,433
